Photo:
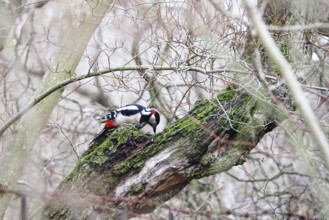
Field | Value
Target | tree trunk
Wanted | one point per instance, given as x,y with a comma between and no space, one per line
129,169
29,128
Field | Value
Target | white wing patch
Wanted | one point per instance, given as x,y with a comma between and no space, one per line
132,119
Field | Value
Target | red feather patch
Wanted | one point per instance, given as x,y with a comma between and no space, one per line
110,124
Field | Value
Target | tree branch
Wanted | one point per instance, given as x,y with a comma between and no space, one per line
130,168
68,81
290,79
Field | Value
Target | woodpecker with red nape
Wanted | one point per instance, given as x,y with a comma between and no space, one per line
133,114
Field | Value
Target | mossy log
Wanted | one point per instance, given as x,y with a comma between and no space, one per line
130,170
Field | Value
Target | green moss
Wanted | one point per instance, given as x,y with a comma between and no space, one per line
99,155
186,125
124,166
110,179
133,162
183,127
205,110
228,94
285,50
137,188
198,115
100,159
239,119
189,126
119,136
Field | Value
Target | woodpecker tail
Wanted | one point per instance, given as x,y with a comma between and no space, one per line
109,116
98,136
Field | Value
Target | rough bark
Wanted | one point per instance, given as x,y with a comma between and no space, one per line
14,156
128,168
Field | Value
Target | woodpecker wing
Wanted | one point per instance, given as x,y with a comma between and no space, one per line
129,114
129,110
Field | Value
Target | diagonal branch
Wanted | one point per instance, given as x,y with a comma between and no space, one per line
290,79
139,171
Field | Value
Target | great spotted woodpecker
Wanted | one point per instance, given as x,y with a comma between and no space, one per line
133,114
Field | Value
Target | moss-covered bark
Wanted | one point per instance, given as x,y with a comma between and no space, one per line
142,171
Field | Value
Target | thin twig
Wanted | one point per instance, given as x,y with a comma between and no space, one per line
64,83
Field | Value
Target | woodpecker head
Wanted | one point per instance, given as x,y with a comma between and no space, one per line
154,118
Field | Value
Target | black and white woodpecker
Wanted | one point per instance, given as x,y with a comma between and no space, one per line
133,114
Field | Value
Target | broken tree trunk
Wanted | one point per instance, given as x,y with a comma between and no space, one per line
127,168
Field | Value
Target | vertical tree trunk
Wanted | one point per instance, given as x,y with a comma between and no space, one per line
29,127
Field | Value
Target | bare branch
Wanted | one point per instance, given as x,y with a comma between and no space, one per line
64,83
